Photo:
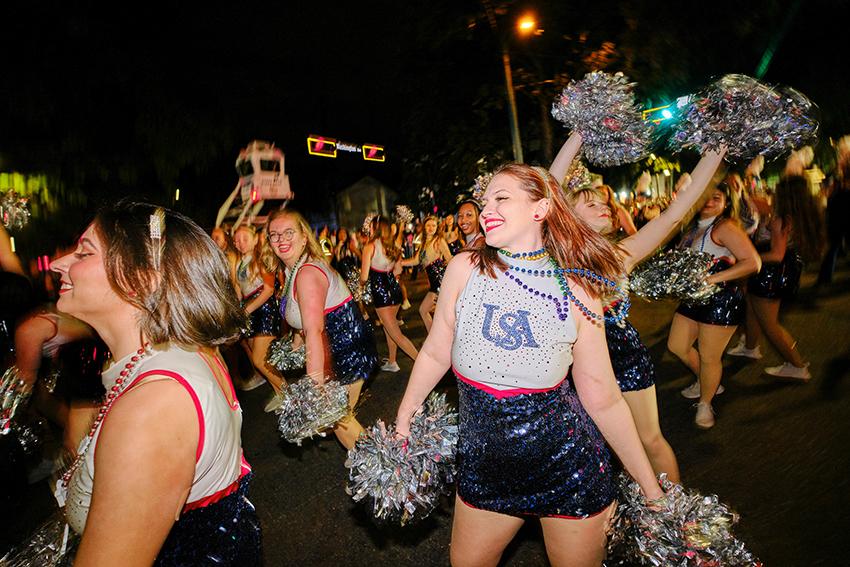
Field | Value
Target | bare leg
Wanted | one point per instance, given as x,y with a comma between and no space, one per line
577,543
348,429
425,309
683,333
393,331
644,407
392,348
712,342
479,537
259,348
767,312
752,325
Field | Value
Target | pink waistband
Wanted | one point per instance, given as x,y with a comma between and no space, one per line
338,305
380,271
227,491
499,394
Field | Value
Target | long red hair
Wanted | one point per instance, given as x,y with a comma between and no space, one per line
570,242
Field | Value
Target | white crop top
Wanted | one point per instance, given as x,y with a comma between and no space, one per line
508,338
218,464
700,238
380,262
338,293
247,284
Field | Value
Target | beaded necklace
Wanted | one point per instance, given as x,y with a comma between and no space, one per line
125,377
617,312
284,299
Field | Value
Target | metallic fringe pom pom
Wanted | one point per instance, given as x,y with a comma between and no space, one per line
675,274
402,479
14,395
367,223
282,357
51,545
578,177
480,185
14,211
750,118
358,292
601,107
308,409
403,214
688,529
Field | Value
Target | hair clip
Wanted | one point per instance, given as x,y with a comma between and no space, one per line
480,185
157,230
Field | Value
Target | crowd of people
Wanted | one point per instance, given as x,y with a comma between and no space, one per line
527,304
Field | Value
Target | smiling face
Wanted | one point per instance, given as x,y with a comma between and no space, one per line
508,215
467,219
430,227
244,240
714,206
287,239
594,211
84,290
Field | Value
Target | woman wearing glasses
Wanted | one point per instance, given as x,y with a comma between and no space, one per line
317,302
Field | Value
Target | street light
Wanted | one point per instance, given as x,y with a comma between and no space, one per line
526,24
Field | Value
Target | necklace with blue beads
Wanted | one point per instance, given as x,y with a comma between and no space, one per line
614,313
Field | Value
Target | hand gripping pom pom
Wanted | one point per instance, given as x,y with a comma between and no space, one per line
14,210
601,107
308,409
282,357
684,528
403,215
674,274
748,117
402,479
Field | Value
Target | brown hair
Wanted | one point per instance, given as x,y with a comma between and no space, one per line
603,192
313,249
382,230
796,206
190,300
263,259
570,242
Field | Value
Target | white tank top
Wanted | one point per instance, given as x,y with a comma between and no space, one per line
380,262
338,293
700,239
247,284
218,464
508,338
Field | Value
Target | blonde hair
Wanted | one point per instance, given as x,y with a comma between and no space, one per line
313,248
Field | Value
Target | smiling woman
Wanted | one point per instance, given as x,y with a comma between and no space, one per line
166,443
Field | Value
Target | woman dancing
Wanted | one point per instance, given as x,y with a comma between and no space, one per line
380,260
512,323
433,254
794,235
317,302
160,477
630,358
717,232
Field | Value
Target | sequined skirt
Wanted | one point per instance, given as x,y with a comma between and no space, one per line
385,289
630,358
265,320
726,307
352,344
536,454
778,280
225,533
435,271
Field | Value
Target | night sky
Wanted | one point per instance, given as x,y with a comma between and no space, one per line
140,100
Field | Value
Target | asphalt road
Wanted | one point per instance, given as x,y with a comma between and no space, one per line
778,454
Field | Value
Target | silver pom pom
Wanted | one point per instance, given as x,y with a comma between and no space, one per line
402,479
309,409
367,223
282,357
53,544
403,215
602,108
578,177
746,116
480,185
684,528
675,274
14,396
14,210
358,292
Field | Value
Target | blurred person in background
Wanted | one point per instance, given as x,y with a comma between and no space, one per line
837,215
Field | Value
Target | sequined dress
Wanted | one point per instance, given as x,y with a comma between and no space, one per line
526,445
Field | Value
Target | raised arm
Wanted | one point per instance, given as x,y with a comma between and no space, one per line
565,157
654,233
435,357
601,397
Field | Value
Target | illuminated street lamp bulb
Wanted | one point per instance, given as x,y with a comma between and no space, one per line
666,173
666,114
526,24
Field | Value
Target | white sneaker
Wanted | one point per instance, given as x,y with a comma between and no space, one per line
390,367
274,402
692,391
788,370
405,306
705,416
741,349
252,383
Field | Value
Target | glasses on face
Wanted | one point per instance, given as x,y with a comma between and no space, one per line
285,236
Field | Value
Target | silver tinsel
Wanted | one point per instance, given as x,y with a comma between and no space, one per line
602,108
480,185
675,274
53,544
359,292
308,409
578,176
367,223
14,395
14,210
402,478
685,529
403,215
282,357
750,118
